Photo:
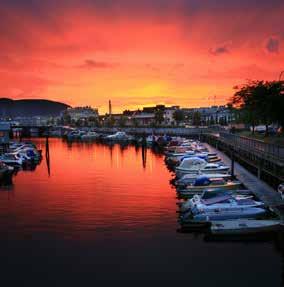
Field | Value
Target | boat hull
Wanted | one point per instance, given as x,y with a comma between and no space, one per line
245,227
249,213
190,191
182,172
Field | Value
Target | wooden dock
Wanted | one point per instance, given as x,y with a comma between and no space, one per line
263,191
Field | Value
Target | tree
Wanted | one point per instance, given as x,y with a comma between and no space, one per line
276,92
178,116
196,118
93,121
135,122
110,121
260,102
66,118
159,116
212,121
122,121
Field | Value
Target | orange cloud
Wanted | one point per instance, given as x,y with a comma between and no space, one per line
137,54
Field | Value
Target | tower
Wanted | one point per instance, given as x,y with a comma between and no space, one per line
109,107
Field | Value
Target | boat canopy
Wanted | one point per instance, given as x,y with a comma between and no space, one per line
217,199
202,180
202,156
210,193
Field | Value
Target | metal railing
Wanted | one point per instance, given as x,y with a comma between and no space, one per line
260,148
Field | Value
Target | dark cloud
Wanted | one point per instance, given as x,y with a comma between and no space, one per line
272,45
50,7
220,50
91,64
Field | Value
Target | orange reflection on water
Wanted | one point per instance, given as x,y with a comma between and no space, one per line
91,186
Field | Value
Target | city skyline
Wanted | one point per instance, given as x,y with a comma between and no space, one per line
182,53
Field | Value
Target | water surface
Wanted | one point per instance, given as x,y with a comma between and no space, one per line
107,215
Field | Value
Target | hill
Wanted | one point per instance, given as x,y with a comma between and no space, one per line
30,108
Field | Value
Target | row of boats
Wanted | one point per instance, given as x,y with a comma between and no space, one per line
90,135
210,197
17,155
118,136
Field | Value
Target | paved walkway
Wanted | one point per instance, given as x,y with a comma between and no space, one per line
263,191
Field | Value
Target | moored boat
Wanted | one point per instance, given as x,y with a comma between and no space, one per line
244,226
190,178
90,136
223,207
204,182
197,165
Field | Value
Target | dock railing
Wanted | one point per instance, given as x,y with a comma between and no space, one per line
260,148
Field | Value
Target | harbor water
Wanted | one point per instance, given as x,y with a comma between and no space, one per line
93,213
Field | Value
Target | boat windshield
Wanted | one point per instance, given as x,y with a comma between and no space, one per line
193,161
213,193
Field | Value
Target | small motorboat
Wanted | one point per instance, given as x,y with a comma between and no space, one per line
209,157
12,159
179,156
75,135
197,165
280,190
119,136
244,226
214,193
90,136
224,207
151,139
190,178
204,182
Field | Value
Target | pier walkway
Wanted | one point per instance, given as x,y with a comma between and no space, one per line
263,191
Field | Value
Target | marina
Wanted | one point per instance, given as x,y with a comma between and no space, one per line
107,206
136,151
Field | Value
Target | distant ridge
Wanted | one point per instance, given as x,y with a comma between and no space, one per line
30,108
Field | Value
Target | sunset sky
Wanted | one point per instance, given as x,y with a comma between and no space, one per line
137,53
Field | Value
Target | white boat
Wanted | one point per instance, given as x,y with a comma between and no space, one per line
150,139
244,226
197,165
190,178
204,182
75,135
213,193
90,136
177,158
118,136
209,157
28,153
224,207
12,159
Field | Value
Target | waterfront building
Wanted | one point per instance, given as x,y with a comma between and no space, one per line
33,121
211,115
79,113
4,133
147,116
143,119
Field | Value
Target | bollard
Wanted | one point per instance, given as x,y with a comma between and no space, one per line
232,164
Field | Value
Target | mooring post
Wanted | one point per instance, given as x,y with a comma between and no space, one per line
232,164
47,154
46,146
259,169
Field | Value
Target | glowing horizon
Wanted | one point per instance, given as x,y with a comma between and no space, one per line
180,52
